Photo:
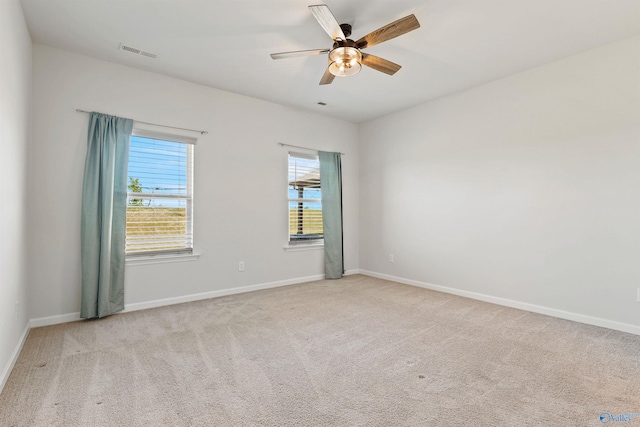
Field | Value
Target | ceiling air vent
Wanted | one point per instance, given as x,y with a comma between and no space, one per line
137,51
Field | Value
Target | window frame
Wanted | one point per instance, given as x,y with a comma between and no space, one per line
139,257
302,242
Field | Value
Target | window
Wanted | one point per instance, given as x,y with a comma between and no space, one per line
160,194
305,199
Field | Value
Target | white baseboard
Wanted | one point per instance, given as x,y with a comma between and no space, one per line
14,357
54,320
220,293
590,320
72,317
567,315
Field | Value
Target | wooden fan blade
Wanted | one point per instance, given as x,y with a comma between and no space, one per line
327,78
380,64
295,53
327,21
389,31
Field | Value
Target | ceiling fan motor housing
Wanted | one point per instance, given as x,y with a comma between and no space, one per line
346,29
344,43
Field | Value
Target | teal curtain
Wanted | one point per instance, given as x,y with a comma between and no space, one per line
331,184
104,212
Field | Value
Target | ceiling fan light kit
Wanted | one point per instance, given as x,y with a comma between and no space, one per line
345,61
345,58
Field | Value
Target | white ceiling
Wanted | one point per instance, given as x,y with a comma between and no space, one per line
226,44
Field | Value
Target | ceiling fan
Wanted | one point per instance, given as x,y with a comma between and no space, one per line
345,57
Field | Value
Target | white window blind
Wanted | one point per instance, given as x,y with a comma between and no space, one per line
305,199
160,194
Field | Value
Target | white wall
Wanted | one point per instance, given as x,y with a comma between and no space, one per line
15,104
526,188
240,180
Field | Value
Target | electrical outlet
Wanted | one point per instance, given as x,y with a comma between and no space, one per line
241,266
638,295
391,258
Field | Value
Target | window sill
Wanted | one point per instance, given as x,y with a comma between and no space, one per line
303,247
161,259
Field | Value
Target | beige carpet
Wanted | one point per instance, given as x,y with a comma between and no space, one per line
354,352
